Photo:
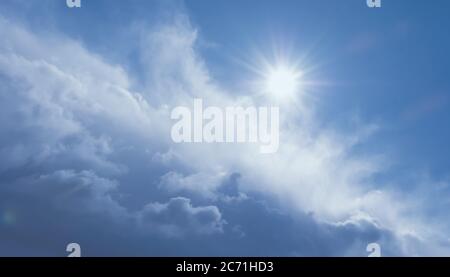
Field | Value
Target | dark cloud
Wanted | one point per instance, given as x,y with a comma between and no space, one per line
85,159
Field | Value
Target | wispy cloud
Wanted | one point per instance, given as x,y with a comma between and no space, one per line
77,135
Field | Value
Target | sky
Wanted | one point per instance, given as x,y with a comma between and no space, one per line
86,154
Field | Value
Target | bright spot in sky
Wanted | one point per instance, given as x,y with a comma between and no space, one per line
282,82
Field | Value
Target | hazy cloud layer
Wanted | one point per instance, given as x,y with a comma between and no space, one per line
84,151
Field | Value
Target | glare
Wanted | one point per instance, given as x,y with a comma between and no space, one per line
282,82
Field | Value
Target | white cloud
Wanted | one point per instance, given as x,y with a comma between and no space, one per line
205,184
72,109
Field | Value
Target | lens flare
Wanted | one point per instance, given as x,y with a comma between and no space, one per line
283,82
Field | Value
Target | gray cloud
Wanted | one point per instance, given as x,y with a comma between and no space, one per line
84,157
179,216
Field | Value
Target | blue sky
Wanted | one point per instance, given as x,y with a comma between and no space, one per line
86,154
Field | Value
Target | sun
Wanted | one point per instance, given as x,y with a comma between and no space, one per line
282,82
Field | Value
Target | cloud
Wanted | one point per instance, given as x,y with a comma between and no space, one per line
50,210
68,119
80,144
200,183
81,192
178,217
